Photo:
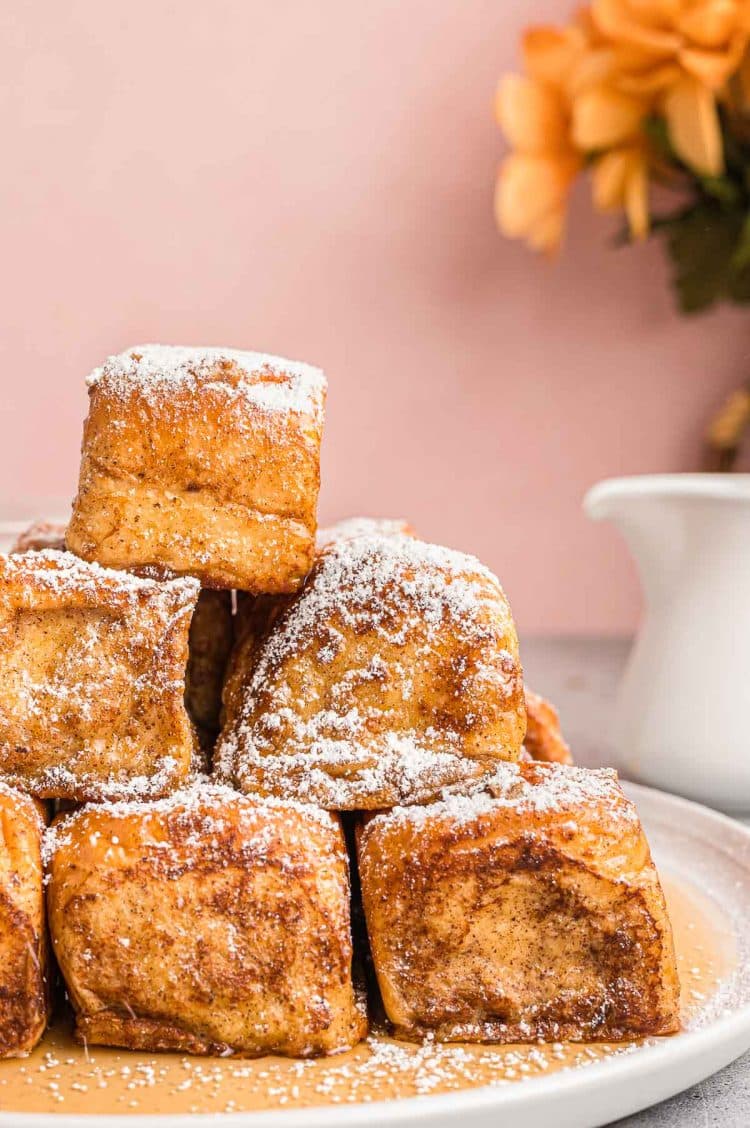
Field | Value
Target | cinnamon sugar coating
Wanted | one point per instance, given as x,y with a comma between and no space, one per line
202,461
255,617
209,642
394,673
92,679
24,959
529,909
208,923
544,739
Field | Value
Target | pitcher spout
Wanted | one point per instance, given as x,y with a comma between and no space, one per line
609,500
669,518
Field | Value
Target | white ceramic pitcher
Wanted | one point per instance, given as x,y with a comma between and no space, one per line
682,720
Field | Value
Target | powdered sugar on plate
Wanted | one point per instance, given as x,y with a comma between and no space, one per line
269,383
60,1076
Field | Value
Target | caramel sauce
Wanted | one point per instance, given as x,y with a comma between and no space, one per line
60,1076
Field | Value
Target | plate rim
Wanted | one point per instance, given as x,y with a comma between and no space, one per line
691,1046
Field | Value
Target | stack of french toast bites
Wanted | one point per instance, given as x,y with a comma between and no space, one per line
236,714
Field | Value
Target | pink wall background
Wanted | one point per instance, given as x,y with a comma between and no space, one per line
316,180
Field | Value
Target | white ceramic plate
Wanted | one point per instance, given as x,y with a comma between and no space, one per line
692,845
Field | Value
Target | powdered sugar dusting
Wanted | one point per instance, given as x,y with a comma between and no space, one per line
390,615
531,789
62,573
68,780
201,796
363,527
270,383
92,666
375,569
18,798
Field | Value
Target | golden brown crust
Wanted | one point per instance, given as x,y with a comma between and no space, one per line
209,646
544,739
393,674
206,923
529,910
39,536
92,666
24,959
255,616
205,462
209,643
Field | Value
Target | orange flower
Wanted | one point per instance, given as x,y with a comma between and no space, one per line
693,122
620,181
551,54
531,197
587,93
534,112
604,117
680,53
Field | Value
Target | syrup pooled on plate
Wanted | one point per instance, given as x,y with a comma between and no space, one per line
61,1076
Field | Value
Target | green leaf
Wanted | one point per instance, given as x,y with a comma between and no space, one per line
655,129
741,256
735,134
702,242
739,279
738,289
721,188
708,242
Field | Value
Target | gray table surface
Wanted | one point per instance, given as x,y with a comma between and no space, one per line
580,676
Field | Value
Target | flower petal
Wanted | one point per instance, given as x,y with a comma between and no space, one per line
655,13
647,83
603,117
549,52
693,123
531,115
547,234
636,197
591,69
709,24
620,180
528,189
714,68
616,21
608,180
